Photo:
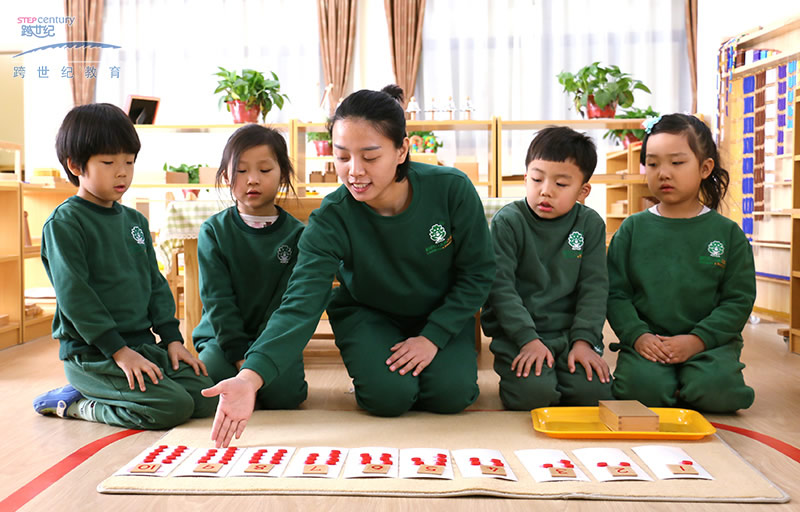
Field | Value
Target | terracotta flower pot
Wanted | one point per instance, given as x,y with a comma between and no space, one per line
323,147
594,112
242,114
629,139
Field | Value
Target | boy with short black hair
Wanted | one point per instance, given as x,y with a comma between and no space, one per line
548,302
109,292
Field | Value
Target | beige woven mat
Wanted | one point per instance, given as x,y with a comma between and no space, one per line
735,479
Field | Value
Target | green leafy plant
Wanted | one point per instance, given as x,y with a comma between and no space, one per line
192,170
312,136
606,84
252,88
632,113
431,143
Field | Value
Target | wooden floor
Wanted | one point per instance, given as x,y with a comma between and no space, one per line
32,443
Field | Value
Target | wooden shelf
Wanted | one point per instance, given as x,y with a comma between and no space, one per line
759,65
32,251
796,273
8,257
201,128
774,245
616,215
60,188
10,326
772,280
599,124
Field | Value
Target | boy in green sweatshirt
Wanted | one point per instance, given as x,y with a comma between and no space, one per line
110,294
547,306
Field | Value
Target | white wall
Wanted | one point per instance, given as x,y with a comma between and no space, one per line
719,20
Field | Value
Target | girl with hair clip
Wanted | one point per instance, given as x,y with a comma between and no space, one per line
682,280
246,254
410,246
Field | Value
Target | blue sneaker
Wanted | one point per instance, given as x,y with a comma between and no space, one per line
56,401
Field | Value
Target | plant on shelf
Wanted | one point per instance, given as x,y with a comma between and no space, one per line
600,89
192,170
626,136
424,142
322,142
249,93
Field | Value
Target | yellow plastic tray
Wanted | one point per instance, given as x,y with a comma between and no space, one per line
584,423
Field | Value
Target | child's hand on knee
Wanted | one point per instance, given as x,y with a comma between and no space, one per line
412,354
582,352
650,347
532,353
177,352
682,347
136,366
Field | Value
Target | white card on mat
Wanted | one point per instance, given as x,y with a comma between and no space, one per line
157,460
550,466
668,462
210,462
426,463
480,463
372,462
270,461
607,464
317,462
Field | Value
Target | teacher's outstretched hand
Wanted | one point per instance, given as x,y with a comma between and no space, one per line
237,398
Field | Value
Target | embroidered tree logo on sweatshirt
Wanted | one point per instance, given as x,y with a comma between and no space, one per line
284,254
715,249
137,234
437,233
575,241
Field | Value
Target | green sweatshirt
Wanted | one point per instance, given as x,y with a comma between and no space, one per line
243,274
680,276
434,260
551,276
109,291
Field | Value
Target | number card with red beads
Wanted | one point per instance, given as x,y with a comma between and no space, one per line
607,464
269,461
372,462
668,462
317,462
210,462
550,466
157,460
426,463
481,463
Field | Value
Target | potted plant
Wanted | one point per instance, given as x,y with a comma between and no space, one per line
322,142
191,173
249,93
626,136
600,89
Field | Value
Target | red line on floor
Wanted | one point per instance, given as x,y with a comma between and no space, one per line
785,448
30,490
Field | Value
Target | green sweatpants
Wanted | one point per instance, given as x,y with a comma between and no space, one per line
288,391
364,337
711,381
555,386
171,402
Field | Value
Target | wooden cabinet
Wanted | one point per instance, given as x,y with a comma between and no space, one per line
39,201
758,84
10,264
794,322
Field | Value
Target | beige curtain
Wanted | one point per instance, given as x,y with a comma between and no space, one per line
88,26
691,44
405,40
337,29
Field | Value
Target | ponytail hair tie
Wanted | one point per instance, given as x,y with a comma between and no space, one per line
649,123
